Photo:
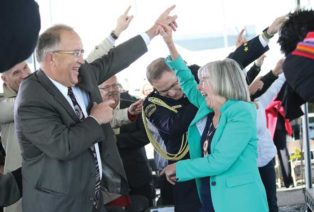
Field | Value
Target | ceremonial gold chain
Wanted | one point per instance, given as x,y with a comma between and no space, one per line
157,147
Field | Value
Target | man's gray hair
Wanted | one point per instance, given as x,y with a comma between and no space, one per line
227,79
49,40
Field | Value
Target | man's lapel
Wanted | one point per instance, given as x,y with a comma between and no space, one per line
49,86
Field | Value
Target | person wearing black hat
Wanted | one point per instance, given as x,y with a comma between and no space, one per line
11,82
20,26
294,30
299,66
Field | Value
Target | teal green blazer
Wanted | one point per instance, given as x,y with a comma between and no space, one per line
232,165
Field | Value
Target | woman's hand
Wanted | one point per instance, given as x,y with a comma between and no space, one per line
166,32
170,172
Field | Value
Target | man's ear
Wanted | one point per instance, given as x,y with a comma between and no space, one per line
4,78
49,58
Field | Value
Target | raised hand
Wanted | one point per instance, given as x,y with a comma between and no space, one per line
170,172
278,68
276,25
256,86
136,107
166,32
259,61
240,39
123,22
164,19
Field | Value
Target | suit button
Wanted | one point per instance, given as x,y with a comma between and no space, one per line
213,183
91,198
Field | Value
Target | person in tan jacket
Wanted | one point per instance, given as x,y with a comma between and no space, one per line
12,79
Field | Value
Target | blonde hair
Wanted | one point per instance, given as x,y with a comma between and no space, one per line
227,79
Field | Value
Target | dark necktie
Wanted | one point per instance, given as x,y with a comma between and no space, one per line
80,115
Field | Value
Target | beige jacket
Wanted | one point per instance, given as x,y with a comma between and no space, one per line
101,49
9,140
13,159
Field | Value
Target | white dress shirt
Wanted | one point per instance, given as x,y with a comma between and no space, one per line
82,99
266,147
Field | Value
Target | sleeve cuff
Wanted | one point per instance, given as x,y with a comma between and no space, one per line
111,40
18,178
179,176
132,117
263,40
269,76
145,38
177,64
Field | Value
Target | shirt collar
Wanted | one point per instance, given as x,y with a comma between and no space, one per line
63,89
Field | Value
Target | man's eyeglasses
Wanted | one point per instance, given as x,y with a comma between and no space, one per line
76,53
114,87
174,87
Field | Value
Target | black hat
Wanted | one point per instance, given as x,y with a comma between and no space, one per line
20,25
299,68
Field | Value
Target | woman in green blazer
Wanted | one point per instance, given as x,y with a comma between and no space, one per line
222,137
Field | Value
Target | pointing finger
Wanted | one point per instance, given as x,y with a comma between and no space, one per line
127,11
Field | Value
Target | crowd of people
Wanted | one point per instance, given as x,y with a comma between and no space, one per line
74,138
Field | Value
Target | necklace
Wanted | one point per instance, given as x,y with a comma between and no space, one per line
211,130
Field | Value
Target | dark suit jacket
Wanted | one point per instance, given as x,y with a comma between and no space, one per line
248,52
268,80
58,168
10,187
131,142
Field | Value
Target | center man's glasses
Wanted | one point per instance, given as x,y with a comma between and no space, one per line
174,87
76,53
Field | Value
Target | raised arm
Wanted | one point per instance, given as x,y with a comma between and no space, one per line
186,79
126,53
275,87
254,48
255,69
103,48
268,79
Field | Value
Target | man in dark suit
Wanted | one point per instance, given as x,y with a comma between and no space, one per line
67,145
131,141
131,138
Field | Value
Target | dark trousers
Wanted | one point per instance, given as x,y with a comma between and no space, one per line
280,141
166,192
268,176
186,197
146,190
183,195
